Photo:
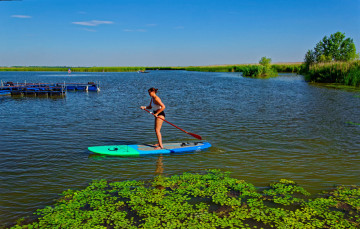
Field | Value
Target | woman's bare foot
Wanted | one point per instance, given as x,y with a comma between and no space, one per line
157,144
159,147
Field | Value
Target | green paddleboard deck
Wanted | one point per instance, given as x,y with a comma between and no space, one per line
135,150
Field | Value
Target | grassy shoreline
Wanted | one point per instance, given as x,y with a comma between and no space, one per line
280,67
84,69
210,199
248,70
347,73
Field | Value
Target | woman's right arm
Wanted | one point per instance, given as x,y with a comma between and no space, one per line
148,107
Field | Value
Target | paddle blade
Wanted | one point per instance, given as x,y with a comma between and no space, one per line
195,136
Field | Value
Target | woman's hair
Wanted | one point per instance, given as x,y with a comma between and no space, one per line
153,89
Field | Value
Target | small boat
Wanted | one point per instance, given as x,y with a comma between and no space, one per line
142,71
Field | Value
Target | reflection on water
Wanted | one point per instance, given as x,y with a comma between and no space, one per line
95,156
159,166
261,131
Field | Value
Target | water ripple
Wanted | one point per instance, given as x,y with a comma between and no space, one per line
261,131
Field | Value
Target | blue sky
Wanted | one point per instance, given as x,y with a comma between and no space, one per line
168,32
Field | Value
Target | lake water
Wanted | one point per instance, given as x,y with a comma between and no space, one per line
261,130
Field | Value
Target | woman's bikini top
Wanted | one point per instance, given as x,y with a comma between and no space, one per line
154,106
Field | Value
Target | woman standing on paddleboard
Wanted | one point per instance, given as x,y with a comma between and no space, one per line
158,111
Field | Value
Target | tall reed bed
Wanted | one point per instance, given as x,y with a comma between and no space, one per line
347,73
21,69
165,68
225,68
108,69
294,68
220,68
251,70
75,69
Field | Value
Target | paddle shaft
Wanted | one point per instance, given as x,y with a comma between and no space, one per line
194,135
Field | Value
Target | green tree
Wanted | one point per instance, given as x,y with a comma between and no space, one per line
334,48
310,58
264,61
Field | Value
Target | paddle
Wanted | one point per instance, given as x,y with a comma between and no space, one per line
194,135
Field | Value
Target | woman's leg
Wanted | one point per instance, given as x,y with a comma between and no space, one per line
158,125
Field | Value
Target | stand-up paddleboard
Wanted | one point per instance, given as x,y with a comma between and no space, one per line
135,150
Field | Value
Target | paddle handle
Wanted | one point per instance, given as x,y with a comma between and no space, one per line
194,135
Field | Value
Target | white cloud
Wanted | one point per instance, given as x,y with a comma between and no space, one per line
92,23
134,30
89,30
21,16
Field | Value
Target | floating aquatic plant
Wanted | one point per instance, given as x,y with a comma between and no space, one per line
353,123
191,200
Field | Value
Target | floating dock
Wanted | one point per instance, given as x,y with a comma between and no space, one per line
45,89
